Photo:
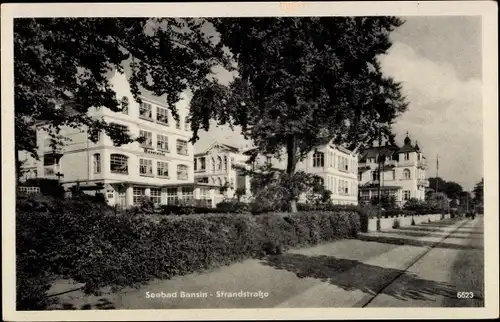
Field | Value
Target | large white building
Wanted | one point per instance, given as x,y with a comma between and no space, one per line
403,172
162,167
222,166
334,164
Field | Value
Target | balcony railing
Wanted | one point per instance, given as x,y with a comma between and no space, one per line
391,163
423,182
422,164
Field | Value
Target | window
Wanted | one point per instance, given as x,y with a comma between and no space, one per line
202,163
406,195
162,169
182,172
195,164
148,139
204,194
162,142
162,115
178,123
138,193
219,163
375,175
213,164
225,163
360,176
407,156
146,167
182,147
155,195
172,196
318,159
97,163
125,104
393,174
187,193
145,111
118,163
186,124
406,174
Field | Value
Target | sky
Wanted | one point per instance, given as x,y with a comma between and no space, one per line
438,60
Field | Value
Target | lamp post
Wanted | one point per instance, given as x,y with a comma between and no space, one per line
379,126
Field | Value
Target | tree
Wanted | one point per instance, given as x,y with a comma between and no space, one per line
61,65
452,189
479,193
303,82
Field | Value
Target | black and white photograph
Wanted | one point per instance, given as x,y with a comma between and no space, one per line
305,157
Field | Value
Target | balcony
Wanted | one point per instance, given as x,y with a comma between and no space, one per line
391,163
422,164
50,171
423,182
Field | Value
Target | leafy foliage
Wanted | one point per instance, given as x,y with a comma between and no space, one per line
302,82
450,188
101,248
479,193
62,65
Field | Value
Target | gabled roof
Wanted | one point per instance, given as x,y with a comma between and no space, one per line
374,152
215,143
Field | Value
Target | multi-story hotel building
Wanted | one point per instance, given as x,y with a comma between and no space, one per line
161,167
222,166
402,175
335,165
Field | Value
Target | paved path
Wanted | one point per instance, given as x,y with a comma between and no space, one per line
401,267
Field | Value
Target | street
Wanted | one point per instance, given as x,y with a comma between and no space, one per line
417,266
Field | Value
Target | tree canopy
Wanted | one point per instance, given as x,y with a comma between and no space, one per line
304,81
479,193
61,68
452,189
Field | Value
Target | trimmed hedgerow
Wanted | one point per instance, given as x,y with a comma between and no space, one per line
100,247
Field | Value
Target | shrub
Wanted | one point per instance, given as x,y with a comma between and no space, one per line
378,224
50,187
100,247
396,224
233,206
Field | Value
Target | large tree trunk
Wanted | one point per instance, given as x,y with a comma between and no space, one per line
291,150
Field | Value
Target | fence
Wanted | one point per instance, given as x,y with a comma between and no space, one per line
28,189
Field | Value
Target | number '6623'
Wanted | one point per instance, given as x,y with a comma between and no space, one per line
465,295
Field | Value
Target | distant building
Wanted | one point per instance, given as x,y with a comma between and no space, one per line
222,166
403,172
162,167
334,164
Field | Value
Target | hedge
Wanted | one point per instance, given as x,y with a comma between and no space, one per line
98,247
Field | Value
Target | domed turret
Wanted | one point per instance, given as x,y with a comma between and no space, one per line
407,139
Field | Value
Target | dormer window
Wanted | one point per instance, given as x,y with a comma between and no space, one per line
407,156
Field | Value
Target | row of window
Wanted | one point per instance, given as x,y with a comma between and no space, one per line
172,195
146,112
218,163
162,142
406,174
340,186
119,164
336,161
406,157
365,195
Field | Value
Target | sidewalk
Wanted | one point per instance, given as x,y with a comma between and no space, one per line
345,273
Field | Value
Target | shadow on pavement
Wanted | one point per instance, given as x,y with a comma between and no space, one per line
430,234
423,228
413,242
353,275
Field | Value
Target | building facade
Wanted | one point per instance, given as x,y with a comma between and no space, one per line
334,164
402,172
161,167
222,166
